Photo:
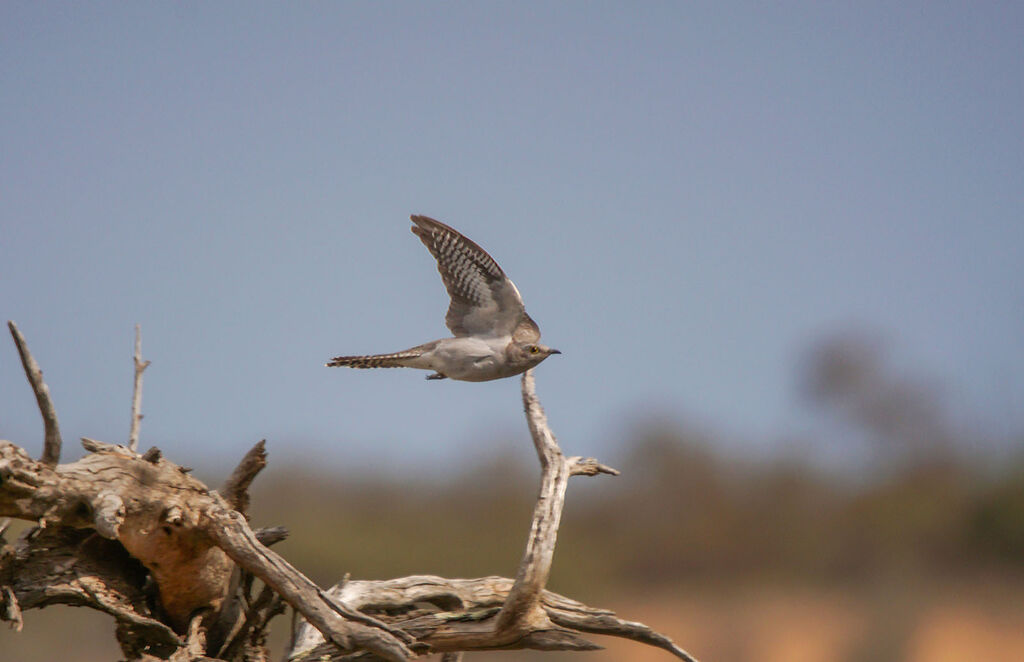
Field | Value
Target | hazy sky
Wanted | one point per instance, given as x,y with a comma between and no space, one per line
687,195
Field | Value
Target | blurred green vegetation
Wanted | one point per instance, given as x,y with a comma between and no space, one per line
920,497
678,514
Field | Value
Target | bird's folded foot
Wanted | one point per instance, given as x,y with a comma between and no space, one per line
436,375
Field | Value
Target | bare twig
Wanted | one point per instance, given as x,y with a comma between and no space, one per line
140,366
236,488
271,535
523,602
11,610
52,440
610,624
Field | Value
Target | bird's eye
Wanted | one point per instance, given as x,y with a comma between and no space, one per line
534,349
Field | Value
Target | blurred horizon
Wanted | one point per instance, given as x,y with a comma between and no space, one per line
866,411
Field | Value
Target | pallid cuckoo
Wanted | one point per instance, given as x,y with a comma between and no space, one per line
494,337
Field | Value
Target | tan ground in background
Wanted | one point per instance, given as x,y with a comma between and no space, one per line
955,623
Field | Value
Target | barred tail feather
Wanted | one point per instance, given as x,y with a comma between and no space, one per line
395,360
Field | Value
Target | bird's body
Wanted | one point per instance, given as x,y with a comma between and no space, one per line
494,337
467,359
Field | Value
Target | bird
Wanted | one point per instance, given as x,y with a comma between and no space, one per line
493,337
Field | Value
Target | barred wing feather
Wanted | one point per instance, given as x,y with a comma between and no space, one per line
484,302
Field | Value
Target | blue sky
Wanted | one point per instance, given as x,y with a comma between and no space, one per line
687,196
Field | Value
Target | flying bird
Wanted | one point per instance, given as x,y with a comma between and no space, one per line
493,335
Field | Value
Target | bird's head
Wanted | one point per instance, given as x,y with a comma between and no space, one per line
530,354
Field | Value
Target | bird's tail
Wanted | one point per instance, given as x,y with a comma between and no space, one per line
395,360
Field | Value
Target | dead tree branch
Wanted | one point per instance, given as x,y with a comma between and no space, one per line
174,562
236,488
188,537
140,366
454,615
51,440
433,608
228,529
523,599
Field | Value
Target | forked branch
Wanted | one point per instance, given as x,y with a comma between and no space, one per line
188,537
556,469
453,615
159,529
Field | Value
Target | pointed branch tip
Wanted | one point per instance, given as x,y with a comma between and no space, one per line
588,466
140,366
236,487
51,430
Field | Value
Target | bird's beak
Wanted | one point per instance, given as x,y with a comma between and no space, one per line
554,351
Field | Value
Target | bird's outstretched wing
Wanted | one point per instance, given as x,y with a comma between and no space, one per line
484,301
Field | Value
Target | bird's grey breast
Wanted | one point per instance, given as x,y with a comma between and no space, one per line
469,358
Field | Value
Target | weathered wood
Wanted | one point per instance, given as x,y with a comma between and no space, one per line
523,599
455,615
174,563
51,430
140,367
236,488
166,520
150,508
251,631
187,536
230,531
74,566
452,612
12,610
271,535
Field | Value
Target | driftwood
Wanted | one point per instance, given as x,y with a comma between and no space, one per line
176,563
